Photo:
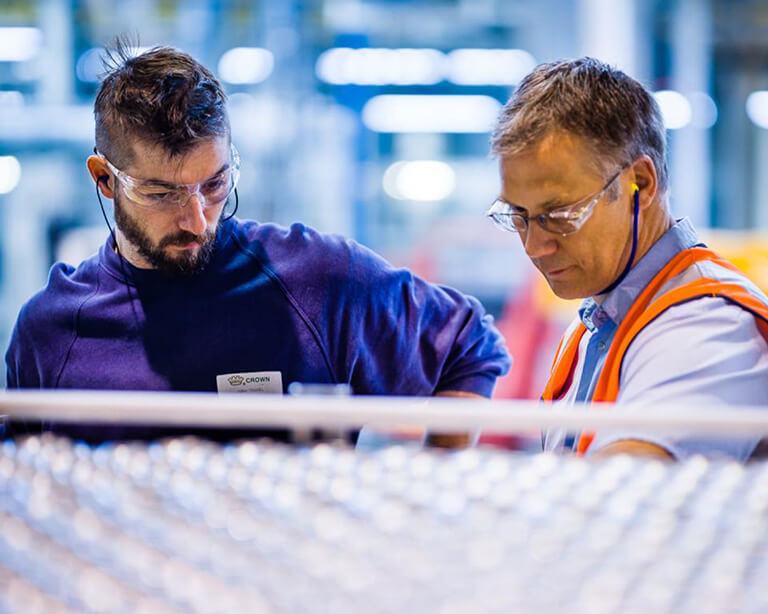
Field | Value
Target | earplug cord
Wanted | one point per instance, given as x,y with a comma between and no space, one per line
104,178
631,260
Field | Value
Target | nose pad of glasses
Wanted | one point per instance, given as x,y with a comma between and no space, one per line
190,193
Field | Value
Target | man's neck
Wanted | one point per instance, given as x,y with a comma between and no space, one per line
654,223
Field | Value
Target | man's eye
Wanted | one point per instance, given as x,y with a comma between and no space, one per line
214,184
568,212
159,196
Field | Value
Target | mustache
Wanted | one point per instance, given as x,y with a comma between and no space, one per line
183,238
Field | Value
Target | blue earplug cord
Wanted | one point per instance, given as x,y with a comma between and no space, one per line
621,277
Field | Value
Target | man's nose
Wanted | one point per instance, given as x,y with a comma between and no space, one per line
192,214
538,243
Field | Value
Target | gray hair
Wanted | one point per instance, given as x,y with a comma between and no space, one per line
614,113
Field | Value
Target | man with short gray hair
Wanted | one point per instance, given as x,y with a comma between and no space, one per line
584,183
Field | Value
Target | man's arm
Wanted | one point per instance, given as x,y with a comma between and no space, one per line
384,330
703,352
14,359
427,339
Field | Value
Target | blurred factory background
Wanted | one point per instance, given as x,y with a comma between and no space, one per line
371,118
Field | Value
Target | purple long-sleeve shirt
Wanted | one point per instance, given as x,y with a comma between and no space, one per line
317,308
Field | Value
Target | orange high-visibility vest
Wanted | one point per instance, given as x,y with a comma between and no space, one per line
694,273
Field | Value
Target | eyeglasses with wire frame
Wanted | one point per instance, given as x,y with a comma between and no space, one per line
563,220
163,196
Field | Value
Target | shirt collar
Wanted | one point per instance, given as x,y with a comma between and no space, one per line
615,305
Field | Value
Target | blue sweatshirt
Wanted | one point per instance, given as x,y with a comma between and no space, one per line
316,308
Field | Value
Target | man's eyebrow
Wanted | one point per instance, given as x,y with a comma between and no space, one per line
157,183
552,203
165,184
224,167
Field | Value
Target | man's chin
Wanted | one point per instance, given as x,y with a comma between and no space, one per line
187,264
567,290
181,255
175,261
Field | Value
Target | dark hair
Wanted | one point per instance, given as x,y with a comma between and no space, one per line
614,113
162,96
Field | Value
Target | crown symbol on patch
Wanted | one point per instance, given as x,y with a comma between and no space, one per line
235,380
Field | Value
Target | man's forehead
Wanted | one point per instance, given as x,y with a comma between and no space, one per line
552,149
154,153
150,161
554,171
557,159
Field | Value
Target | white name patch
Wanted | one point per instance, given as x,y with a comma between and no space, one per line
259,381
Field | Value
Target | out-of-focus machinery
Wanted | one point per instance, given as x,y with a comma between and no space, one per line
187,524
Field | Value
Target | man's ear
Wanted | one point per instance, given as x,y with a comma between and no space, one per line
643,175
101,175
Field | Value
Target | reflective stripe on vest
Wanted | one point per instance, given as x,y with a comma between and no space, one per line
692,274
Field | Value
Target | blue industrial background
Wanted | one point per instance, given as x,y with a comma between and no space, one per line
371,118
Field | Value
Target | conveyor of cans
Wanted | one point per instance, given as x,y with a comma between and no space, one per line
190,525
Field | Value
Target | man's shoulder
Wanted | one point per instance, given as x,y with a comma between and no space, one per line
67,286
291,237
300,250
317,270
700,330
46,323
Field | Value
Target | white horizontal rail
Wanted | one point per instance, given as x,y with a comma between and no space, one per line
447,414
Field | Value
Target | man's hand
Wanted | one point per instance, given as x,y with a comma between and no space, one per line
635,448
452,440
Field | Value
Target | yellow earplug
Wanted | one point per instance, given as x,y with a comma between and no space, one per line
635,187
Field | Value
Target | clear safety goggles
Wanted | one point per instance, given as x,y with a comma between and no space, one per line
160,195
562,220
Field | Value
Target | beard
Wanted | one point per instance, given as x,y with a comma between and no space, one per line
186,263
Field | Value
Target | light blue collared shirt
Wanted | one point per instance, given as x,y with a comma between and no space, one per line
707,350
